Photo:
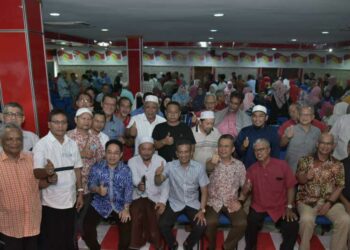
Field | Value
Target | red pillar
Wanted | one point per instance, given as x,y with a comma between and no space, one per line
23,76
135,52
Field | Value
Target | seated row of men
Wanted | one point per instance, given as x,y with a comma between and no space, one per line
147,194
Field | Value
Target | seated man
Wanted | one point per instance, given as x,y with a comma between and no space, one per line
185,179
228,175
110,181
148,200
271,183
321,181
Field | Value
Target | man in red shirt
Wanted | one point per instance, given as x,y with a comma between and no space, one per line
271,183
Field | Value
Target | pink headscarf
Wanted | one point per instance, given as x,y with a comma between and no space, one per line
248,101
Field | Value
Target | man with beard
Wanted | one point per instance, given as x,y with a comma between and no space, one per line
206,137
149,200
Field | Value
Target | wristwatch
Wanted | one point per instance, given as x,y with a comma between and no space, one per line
203,210
290,206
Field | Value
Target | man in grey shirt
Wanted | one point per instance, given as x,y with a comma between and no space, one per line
185,178
300,139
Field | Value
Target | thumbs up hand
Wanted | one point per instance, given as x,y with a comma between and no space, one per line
168,140
215,158
246,142
50,168
160,169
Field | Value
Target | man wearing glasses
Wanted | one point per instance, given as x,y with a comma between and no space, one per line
13,113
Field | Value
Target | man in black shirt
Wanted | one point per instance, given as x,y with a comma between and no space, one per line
166,134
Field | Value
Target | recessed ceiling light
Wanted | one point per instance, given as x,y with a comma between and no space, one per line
274,49
330,50
145,47
104,30
220,46
325,32
63,43
293,39
210,38
219,14
55,14
213,30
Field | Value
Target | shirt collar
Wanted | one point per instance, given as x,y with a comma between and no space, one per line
4,157
52,138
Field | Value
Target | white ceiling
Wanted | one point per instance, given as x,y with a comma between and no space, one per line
266,21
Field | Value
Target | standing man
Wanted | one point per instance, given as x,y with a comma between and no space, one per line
149,200
227,177
232,119
166,134
20,204
272,185
259,129
206,137
341,133
114,127
91,151
142,125
13,112
186,177
58,164
98,123
321,181
110,181
301,138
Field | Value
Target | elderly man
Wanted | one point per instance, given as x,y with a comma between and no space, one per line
301,138
341,133
142,125
166,134
321,181
114,127
110,181
57,161
206,137
91,151
232,119
186,177
14,113
259,129
149,200
227,177
20,204
272,184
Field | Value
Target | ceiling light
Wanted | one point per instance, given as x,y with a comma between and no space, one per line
213,30
330,50
53,40
274,49
110,42
103,44
55,14
325,32
95,41
145,47
63,43
62,48
209,43
210,38
293,40
220,46
219,14
104,30
203,44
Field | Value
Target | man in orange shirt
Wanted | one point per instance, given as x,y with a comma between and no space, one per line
20,212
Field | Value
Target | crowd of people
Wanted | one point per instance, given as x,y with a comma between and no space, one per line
245,149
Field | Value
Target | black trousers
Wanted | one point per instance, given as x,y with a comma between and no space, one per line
168,219
11,243
255,220
57,229
92,219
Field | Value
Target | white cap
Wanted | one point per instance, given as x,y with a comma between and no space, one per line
146,139
152,98
259,108
82,111
207,115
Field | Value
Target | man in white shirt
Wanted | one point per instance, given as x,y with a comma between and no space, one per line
98,123
206,137
57,161
149,200
142,125
13,112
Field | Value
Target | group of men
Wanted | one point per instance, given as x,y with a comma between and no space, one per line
227,163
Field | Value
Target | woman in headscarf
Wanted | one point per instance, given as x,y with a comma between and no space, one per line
338,111
194,88
248,101
227,91
182,97
213,88
198,101
279,105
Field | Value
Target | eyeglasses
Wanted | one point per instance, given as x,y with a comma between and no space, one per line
259,149
84,100
59,122
13,114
